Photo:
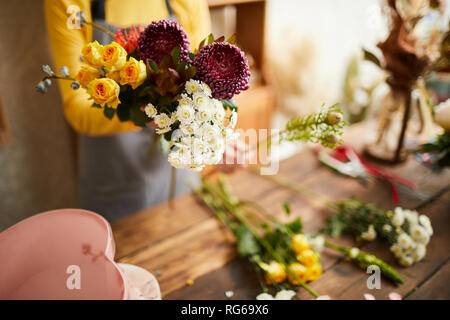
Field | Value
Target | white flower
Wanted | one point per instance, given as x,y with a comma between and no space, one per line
323,298
162,120
200,100
396,250
163,130
192,86
426,223
316,244
399,217
412,216
264,296
150,110
175,159
205,89
406,261
176,135
189,129
354,253
405,241
233,119
219,115
203,114
442,114
419,253
370,234
285,295
210,132
185,114
387,228
419,234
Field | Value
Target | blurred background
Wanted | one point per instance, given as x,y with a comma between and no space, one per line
303,54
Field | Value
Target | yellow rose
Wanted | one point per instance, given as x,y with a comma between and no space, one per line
86,75
275,272
114,56
307,258
299,243
299,270
314,272
115,75
104,91
92,54
133,73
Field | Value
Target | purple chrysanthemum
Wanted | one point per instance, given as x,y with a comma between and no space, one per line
224,68
159,38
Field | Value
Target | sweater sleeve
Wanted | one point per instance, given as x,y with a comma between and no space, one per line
66,44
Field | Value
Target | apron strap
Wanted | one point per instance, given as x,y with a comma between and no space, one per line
171,14
98,9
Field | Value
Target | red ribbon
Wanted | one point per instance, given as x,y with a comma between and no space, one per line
342,154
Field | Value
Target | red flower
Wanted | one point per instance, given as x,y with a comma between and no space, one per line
224,68
128,40
159,38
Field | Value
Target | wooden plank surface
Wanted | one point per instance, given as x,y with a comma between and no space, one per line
187,242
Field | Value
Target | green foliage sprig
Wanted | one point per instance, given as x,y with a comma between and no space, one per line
439,150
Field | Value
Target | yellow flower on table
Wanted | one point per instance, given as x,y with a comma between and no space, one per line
86,75
114,56
299,243
275,272
308,258
314,272
134,73
300,272
92,54
104,91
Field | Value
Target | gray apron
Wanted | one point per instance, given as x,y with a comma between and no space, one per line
118,175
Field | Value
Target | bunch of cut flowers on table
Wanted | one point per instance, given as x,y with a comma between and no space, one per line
150,75
406,231
282,255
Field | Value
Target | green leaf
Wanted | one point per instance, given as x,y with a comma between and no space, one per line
191,56
295,226
229,104
210,39
96,105
109,112
247,243
286,208
371,57
153,65
334,226
220,39
175,53
123,112
232,39
138,117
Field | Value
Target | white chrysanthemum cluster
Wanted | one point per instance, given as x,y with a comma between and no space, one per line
316,243
413,234
200,138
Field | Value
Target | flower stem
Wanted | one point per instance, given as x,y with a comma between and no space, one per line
297,188
101,28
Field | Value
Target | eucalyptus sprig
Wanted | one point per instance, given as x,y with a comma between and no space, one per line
46,81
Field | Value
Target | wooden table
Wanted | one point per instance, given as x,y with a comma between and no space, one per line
187,242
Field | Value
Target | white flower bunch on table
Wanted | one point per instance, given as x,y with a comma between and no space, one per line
201,135
413,234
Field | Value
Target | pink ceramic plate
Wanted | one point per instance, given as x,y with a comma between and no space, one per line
64,254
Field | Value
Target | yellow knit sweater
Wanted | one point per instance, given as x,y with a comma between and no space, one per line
67,43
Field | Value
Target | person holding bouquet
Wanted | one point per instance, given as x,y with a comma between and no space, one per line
121,169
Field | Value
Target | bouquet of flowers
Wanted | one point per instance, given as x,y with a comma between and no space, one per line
282,255
149,75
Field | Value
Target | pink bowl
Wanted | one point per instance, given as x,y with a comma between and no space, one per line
40,258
